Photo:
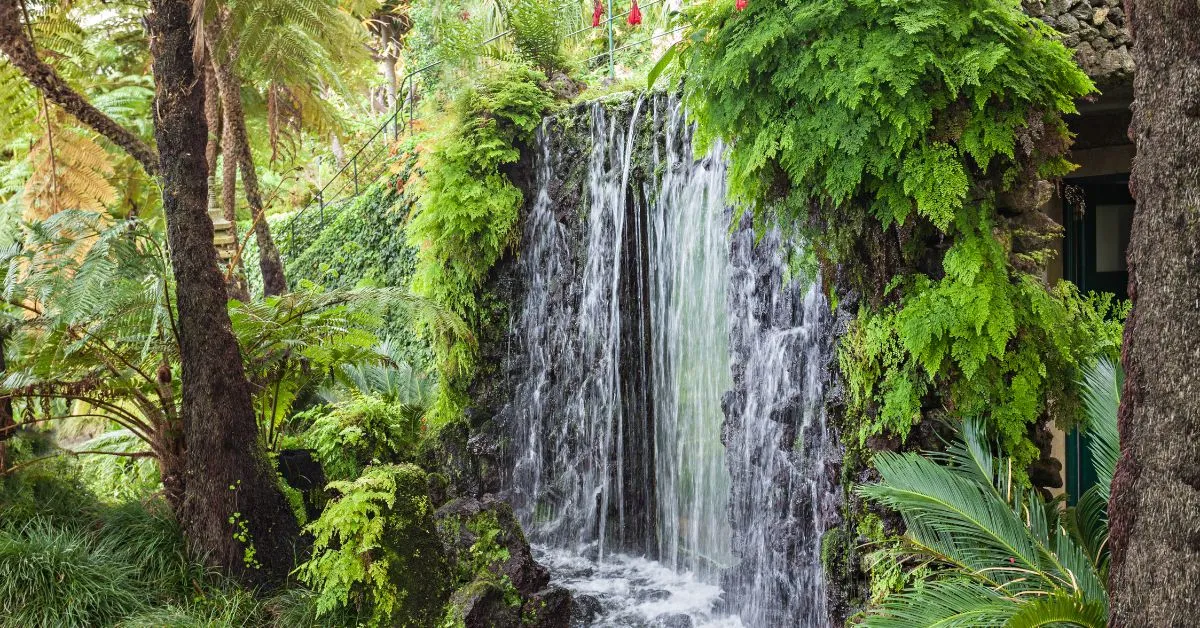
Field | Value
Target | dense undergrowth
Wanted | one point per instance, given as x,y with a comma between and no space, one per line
68,559
466,218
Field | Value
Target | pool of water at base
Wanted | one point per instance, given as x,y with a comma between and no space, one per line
634,592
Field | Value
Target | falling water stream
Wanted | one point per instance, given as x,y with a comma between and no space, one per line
646,325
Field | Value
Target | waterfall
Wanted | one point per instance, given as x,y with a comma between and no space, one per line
689,267
781,452
667,445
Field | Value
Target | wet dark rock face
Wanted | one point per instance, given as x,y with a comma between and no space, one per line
785,492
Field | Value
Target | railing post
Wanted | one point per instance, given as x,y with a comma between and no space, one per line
612,72
321,201
412,100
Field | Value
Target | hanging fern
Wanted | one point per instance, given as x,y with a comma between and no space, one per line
895,134
467,215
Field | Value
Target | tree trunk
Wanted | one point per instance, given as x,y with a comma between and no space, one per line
233,510
339,153
1155,508
388,66
238,153
236,286
20,50
7,422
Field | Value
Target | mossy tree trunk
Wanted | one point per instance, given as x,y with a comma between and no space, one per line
238,153
1155,508
219,141
232,507
7,421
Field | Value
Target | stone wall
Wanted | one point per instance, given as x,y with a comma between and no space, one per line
1096,29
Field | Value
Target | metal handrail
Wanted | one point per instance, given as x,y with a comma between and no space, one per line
396,118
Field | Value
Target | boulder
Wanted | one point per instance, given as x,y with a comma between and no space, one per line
551,607
484,536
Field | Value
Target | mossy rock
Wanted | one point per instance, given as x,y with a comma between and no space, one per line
484,539
418,565
484,603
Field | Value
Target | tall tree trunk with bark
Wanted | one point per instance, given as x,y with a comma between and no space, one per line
239,153
232,509
236,285
1155,508
7,420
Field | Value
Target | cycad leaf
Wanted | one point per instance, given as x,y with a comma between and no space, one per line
954,603
1060,610
1101,399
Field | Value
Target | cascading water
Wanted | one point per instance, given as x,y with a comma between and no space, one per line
689,238
780,449
632,316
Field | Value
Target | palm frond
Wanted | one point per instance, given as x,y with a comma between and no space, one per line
1101,388
1060,610
952,603
999,548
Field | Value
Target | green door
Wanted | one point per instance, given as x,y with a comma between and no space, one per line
1097,236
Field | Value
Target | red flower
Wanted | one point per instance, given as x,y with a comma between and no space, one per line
741,4
597,14
635,16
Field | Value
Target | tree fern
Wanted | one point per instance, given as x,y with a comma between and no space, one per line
1004,557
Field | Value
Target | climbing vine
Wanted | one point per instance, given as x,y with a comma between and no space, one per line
467,215
911,141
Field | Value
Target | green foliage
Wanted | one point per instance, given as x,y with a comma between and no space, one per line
467,215
1102,383
291,343
52,576
887,109
1000,555
228,607
890,132
538,27
377,551
387,377
1009,346
68,560
119,478
99,332
361,431
363,245
49,490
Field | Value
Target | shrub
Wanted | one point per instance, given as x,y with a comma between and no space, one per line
377,551
362,431
996,554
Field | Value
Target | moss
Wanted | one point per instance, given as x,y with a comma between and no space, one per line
418,566
295,499
491,600
377,550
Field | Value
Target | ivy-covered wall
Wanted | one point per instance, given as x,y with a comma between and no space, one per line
361,243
